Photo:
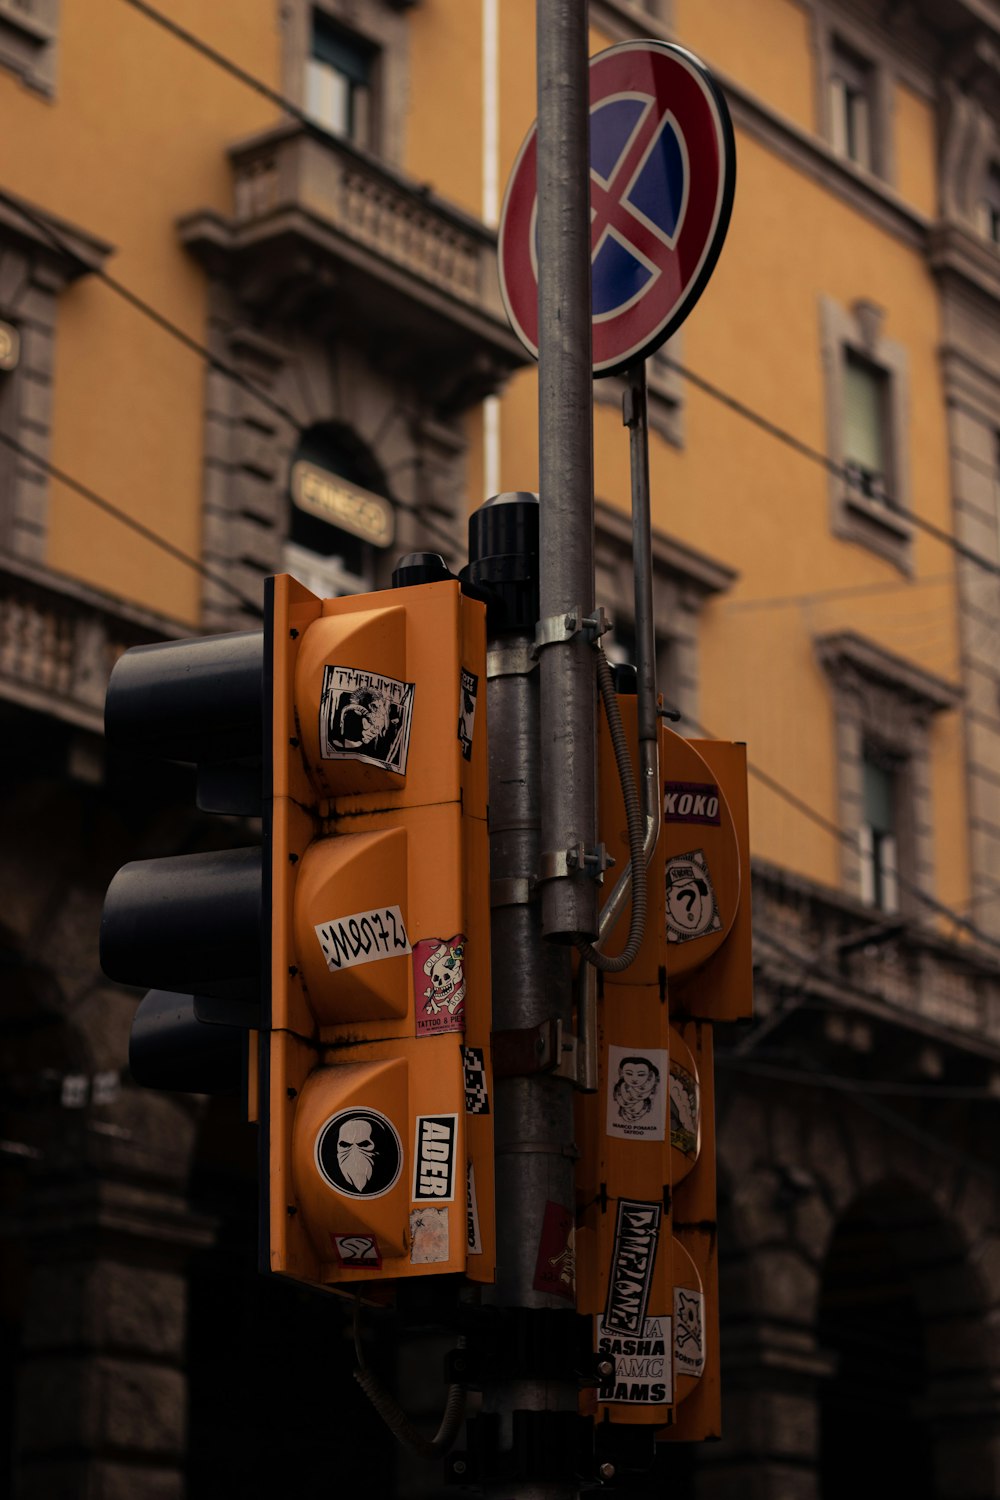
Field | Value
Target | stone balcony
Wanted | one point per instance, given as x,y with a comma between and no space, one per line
325,233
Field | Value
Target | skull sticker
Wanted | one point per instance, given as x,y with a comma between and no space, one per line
439,984
358,1152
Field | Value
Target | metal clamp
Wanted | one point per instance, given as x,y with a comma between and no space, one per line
556,629
517,890
557,864
524,1051
511,659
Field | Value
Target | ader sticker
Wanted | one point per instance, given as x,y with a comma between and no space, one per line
467,712
683,1110
434,1158
428,1236
632,1261
691,908
636,1094
439,984
641,1373
364,716
359,1153
555,1267
477,1099
689,1336
363,937
473,1235
358,1251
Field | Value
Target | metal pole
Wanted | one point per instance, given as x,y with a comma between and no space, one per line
566,464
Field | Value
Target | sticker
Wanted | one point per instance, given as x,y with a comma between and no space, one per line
477,1100
689,1335
467,712
642,1373
365,717
359,1153
475,1242
636,1102
636,1233
555,1268
691,802
428,1236
363,937
691,909
434,1158
360,1250
439,984
683,1110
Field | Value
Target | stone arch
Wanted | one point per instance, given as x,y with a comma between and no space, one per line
902,1314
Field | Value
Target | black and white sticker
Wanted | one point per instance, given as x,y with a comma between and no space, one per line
363,937
684,1110
359,1153
428,1235
689,1335
691,908
691,802
364,716
632,1260
642,1366
475,1241
637,1088
477,1099
359,1251
434,1159
467,697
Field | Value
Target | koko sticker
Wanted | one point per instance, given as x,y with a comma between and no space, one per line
360,1251
633,1258
641,1373
359,1153
477,1099
691,802
689,1332
467,712
683,1110
636,1093
428,1236
364,716
439,984
555,1266
434,1158
473,1236
691,908
363,937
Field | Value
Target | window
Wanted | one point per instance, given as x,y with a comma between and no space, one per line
852,112
879,839
988,211
339,76
28,40
868,433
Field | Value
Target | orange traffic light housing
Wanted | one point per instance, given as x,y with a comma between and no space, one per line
646,1242
375,1083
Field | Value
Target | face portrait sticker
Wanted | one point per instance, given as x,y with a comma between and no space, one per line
683,1110
359,1153
428,1236
467,711
691,908
637,1093
689,1332
439,984
365,717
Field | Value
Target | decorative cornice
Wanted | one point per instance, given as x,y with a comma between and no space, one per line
84,252
690,567
844,653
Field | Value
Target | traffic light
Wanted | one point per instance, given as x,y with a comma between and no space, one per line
646,1179
342,970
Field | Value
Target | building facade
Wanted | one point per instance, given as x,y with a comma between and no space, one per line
250,322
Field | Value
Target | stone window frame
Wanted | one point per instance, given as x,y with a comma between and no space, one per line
33,273
683,582
883,529
382,24
883,700
29,35
833,30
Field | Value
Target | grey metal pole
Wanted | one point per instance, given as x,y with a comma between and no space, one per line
566,465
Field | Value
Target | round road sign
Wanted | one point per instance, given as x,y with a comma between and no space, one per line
662,176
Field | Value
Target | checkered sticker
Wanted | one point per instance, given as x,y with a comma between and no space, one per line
477,1100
